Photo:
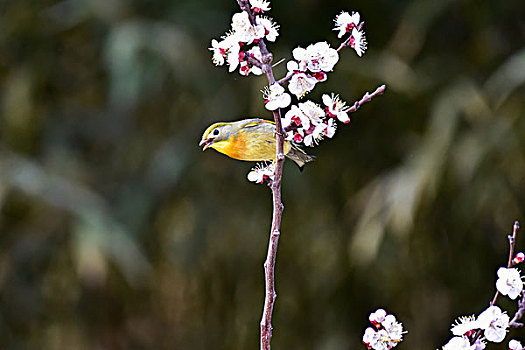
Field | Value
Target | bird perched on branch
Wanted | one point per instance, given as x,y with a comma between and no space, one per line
250,140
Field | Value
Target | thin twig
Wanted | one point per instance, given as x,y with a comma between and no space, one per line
367,97
512,241
344,44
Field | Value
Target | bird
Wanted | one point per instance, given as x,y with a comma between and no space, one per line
250,140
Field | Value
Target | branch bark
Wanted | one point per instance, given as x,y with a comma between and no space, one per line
278,207
367,97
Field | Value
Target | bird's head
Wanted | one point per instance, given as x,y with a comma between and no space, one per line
215,135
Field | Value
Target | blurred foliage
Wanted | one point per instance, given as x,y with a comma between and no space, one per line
117,232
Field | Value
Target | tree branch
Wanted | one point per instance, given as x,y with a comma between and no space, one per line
275,232
278,207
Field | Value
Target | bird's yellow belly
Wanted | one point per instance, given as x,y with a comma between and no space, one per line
250,149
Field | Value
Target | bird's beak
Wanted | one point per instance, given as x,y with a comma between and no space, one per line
206,142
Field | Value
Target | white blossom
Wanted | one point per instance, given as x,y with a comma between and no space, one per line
233,58
312,111
331,126
226,50
297,117
276,97
261,172
301,83
306,123
318,57
244,30
271,28
509,282
464,325
240,22
315,114
260,5
370,337
247,67
377,316
344,22
300,54
322,58
459,343
218,52
313,136
358,42
479,344
515,345
295,67
394,330
255,52
494,322
383,342
336,107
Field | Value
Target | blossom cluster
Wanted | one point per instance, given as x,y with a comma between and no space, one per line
238,47
350,23
308,123
385,334
305,123
492,322
310,65
471,333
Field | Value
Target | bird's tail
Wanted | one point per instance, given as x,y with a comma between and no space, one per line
299,156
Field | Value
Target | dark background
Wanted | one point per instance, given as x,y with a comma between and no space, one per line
118,232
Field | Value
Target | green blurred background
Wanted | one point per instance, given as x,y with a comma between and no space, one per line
118,232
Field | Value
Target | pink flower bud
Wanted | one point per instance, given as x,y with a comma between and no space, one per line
297,138
519,258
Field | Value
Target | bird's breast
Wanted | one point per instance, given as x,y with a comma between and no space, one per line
249,146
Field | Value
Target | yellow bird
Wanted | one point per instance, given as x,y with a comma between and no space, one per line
250,140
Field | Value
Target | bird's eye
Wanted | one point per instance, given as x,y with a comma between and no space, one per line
215,132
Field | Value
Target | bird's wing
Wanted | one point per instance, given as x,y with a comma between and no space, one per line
256,122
